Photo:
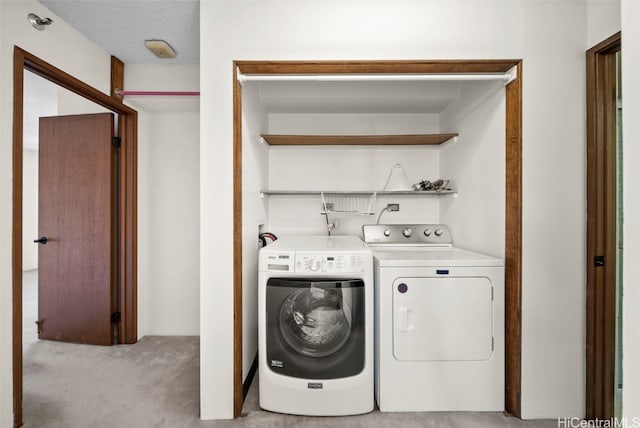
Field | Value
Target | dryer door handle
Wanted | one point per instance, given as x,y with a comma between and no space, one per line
404,319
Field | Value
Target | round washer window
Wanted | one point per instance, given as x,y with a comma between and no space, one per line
316,322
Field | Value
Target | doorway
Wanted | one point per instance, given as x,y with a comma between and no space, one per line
68,177
604,226
125,190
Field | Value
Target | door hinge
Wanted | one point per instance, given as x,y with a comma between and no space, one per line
493,345
116,142
39,326
115,317
492,298
598,261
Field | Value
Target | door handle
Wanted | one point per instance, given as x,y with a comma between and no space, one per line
42,240
406,319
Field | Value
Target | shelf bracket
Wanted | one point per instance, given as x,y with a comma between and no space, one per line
511,75
240,77
452,140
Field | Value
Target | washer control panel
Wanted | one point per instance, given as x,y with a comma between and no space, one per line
281,262
329,263
315,263
407,234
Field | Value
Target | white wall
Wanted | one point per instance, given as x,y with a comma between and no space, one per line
29,209
553,230
631,228
70,103
603,20
347,168
168,225
476,166
88,63
162,77
353,123
168,199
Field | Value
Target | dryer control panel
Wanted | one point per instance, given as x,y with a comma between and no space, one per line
407,234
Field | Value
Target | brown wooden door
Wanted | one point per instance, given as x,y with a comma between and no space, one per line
602,228
76,215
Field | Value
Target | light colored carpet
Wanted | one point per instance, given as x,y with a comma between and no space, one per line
29,308
155,383
151,384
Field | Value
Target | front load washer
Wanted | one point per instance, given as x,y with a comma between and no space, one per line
315,326
439,326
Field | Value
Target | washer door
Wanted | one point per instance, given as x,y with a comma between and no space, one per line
315,329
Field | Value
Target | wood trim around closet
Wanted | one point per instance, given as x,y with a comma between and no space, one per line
238,397
513,246
513,199
374,67
16,262
127,284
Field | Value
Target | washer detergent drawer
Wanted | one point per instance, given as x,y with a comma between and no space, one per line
442,319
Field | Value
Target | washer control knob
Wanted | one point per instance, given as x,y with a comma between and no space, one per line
438,232
427,232
314,264
407,232
387,232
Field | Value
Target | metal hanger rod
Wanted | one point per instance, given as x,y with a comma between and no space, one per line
158,93
373,77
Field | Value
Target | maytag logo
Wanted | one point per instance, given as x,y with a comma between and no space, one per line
277,363
314,385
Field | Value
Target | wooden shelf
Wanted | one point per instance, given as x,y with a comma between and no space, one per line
357,140
358,192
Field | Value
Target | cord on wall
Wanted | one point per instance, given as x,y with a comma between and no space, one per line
390,208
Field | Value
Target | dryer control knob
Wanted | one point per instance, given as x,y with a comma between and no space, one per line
314,264
427,232
387,232
438,232
407,232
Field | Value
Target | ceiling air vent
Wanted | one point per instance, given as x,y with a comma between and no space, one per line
160,48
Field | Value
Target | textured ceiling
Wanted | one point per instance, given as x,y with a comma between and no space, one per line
121,26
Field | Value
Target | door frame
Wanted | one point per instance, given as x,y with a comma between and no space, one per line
513,197
601,227
126,280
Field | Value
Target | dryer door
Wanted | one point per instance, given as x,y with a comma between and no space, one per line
315,328
442,319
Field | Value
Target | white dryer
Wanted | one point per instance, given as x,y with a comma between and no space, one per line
439,322
315,326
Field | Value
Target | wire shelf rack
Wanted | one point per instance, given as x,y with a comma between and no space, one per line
352,204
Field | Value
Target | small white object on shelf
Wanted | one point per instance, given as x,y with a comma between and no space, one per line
397,180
